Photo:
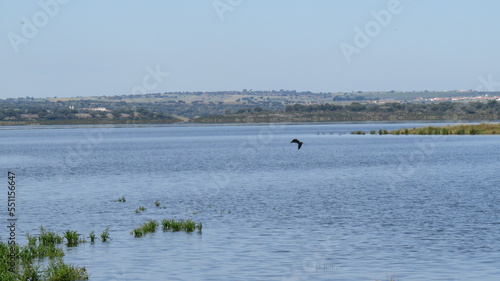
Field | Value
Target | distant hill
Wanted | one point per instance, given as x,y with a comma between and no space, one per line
204,106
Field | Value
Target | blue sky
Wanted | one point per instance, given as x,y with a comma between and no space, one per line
69,48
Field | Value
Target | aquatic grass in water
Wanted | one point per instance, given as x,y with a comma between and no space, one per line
171,224
31,239
71,237
121,199
186,225
49,238
58,270
105,235
28,258
157,203
358,133
189,225
92,236
140,209
148,227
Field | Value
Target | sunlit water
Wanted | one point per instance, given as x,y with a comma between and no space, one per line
343,207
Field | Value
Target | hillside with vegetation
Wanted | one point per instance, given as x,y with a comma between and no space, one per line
364,112
251,106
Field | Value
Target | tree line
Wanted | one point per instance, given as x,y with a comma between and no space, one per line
366,112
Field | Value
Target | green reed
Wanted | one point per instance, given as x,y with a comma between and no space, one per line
47,238
185,225
92,236
71,237
148,227
105,235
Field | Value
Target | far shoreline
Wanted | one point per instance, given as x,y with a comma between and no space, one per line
61,125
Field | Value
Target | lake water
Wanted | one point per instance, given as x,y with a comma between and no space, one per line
343,207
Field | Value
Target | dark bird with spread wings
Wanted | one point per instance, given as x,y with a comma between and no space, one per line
297,142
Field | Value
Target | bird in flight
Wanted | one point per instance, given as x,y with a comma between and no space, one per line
297,142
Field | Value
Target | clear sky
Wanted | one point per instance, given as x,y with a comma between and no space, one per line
111,47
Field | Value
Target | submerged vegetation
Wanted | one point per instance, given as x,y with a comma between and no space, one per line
92,236
372,132
462,129
24,262
148,227
167,225
185,225
121,199
72,238
105,235
42,257
140,209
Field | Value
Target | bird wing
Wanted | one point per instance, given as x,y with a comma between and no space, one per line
295,141
300,144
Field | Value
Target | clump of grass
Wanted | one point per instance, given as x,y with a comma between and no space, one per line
189,225
31,239
92,236
105,235
71,237
148,227
157,203
28,259
121,199
48,238
58,270
185,225
358,132
140,209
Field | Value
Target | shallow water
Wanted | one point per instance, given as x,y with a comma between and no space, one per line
343,207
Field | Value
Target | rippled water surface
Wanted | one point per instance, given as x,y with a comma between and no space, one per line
343,207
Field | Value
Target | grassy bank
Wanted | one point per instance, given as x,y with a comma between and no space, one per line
468,129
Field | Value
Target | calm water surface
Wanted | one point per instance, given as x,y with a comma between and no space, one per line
344,207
